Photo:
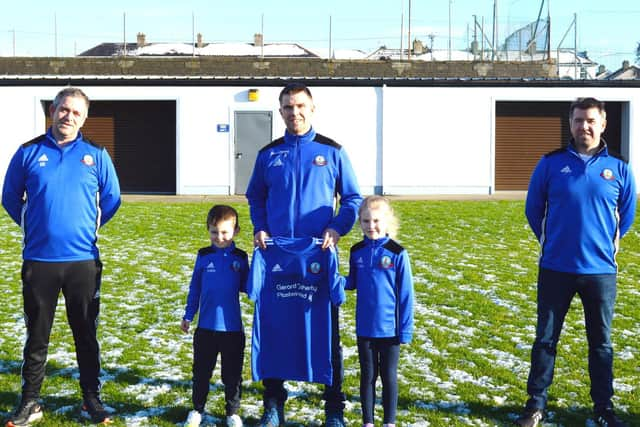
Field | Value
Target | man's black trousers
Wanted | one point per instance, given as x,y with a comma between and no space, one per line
42,283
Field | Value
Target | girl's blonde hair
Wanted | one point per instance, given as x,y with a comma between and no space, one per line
381,202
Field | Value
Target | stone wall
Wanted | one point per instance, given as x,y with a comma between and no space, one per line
270,67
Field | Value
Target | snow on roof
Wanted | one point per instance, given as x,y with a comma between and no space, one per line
163,49
248,49
629,72
221,49
323,52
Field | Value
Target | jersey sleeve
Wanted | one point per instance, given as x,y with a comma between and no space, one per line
14,187
195,288
336,281
404,282
255,280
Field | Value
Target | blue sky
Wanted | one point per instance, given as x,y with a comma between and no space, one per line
608,31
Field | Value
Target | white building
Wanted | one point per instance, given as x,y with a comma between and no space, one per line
187,135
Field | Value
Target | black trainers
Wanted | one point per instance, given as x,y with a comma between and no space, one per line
28,411
607,418
280,409
270,418
530,418
92,409
334,418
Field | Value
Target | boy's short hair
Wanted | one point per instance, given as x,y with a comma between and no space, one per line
222,213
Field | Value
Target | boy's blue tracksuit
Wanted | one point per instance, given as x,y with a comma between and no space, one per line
579,210
294,184
58,223
219,275
381,273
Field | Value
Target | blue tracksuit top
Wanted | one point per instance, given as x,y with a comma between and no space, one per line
293,283
60,196
579,210
219,275
294,184
381,272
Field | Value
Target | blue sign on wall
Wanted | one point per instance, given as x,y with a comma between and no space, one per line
223,127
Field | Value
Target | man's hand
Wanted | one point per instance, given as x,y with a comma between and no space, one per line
330,238
184,325
259,239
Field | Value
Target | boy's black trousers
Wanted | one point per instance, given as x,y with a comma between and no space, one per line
207,344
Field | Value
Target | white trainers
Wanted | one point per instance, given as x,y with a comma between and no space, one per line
194,419
234,421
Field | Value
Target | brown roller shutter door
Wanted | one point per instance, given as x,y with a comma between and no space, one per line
140,137
525,131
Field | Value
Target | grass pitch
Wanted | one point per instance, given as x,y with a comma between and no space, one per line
475,268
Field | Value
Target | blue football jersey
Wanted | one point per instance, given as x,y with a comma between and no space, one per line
293,283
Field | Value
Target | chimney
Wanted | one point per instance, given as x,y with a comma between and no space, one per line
475,49
199,42
625,65
141,40
258,39
418,47
602,69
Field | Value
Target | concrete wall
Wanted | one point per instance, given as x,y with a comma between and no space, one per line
403,140
272,67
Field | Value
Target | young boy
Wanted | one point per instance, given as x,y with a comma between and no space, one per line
219,275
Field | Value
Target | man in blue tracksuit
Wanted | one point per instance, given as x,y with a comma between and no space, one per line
292,193
581,201
60,188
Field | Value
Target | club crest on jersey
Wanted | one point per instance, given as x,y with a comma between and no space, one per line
314,267
319,160
607,174
385,262
235,266
88,160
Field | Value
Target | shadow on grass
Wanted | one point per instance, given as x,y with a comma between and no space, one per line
170,408
63,407
505,415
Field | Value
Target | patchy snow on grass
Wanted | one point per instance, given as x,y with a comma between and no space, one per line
474,268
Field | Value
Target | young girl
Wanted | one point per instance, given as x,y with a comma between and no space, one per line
379,269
